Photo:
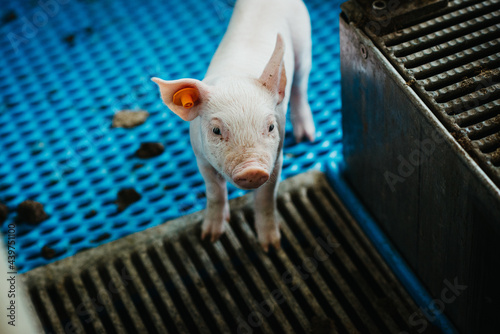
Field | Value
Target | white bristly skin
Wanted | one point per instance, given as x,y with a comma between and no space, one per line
238,123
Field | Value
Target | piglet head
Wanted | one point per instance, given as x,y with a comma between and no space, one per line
240,120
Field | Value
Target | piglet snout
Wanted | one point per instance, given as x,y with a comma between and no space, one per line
251,178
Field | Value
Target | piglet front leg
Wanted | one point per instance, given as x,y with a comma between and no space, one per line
217,211
266,220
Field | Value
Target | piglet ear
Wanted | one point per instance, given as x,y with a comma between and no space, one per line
274,76
184,97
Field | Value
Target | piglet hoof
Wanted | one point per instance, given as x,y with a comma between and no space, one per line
212,231
270,238
303,125
213,227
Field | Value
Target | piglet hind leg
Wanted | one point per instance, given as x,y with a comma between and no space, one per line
300,111
301,116
217,210
266,220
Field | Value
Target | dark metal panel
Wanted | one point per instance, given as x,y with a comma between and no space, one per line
427,206
376,115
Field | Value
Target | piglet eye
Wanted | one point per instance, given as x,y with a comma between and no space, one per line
216,131
271,127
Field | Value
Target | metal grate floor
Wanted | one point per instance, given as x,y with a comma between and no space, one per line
327,278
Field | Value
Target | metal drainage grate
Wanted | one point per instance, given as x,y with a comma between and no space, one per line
326,279
452,60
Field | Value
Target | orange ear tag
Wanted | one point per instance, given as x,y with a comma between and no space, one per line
186,97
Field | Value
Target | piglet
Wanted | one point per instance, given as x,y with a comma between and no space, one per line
237,112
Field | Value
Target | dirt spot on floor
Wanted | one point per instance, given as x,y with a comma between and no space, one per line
129,118
149,150
47,252
31,212
126,197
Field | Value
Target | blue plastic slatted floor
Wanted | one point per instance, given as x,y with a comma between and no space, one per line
64,75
